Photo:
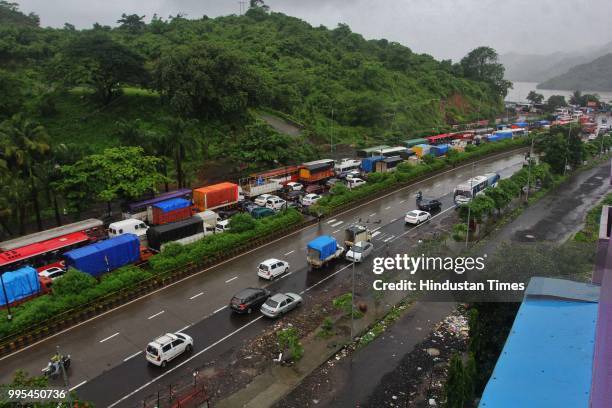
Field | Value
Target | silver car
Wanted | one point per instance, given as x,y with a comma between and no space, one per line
359,252
280,304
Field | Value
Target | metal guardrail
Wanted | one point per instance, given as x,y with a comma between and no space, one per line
82,313
69,318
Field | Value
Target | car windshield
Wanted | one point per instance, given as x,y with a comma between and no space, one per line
271,303
357,249
180,336
413,214
151,350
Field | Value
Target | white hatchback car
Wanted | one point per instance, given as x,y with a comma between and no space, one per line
310,199
222,226
52,273
294,186
416,217
359,252
271,268
276,203
262,199
167,347
355,182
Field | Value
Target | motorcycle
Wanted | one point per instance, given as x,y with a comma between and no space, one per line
54,367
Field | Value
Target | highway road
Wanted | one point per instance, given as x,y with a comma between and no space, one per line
109,368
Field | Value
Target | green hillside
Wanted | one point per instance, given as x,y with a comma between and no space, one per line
593,76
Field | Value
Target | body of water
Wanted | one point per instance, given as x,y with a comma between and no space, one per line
521,90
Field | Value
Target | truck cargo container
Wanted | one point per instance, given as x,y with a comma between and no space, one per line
504,135
356,233
105,256
318,170
368,164
260,186
322,250
388,164
421,150
371,151
161,234
173,210
413,142
394,151
21,285
141,210
215,196
439,150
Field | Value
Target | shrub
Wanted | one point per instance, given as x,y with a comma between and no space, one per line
241,222
289,339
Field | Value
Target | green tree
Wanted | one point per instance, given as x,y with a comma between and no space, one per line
95,59
554,102
500,196
535,98
132,23
118,173
204,80
470,377
576,98
24,143
241,222
482,64
11,94
183,138
454,390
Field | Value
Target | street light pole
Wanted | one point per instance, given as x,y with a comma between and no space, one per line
353,293
569,134
529,171
467,232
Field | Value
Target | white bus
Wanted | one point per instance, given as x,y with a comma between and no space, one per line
464,192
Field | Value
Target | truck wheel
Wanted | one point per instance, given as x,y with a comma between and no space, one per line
249,310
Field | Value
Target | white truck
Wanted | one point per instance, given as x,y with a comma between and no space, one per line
356,233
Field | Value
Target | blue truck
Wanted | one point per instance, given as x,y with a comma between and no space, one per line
322,250
20,285
105,256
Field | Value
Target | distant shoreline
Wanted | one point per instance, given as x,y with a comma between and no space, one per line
521,90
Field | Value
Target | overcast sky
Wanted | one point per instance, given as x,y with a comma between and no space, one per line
442,28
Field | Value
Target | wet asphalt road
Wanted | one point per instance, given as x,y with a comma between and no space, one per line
108,362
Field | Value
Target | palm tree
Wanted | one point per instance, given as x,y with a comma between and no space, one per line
24,143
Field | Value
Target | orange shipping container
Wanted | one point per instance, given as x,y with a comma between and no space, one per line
215,196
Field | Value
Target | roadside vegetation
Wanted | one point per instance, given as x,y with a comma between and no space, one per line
187,92
77,289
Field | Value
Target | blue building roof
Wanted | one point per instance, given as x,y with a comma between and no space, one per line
548,357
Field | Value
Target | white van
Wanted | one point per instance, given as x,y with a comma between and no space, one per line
222,226
129,226
209,218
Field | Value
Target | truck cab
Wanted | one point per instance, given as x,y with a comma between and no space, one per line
356,233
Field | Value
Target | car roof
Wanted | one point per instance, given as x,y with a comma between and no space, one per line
279,297
247,291
271,261
164,339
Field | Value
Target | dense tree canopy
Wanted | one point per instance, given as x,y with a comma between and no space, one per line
482,64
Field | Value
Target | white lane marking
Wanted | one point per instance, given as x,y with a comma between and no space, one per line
195,296
336,231
337,223
384,234
371,215
109,337
183,363
387,208
332,220
402,202
229,280
375,234
132,356
389,239
155,315
184,328
78,385
505,154
289,253
219,309
393,220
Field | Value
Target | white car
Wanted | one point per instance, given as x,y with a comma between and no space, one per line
262,199
310,199
272,268
355,182
52,273
360,251
167,347
222,226
352,174
294,186
416,217
276,203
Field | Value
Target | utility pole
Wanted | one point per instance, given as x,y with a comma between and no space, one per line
65,378
529,171
569,135
353,295
467,232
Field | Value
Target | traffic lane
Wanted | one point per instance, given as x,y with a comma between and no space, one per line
305,279
219,283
